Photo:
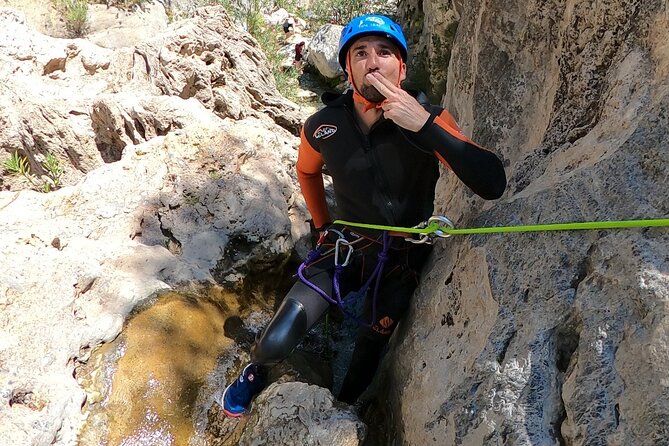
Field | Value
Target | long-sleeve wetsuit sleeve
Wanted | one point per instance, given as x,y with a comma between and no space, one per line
309,174
479,169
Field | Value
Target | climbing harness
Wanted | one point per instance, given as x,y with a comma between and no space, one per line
427,232
343,252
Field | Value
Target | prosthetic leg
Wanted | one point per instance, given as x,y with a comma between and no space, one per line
299,311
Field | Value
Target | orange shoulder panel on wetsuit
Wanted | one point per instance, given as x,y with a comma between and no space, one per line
309,174
446,121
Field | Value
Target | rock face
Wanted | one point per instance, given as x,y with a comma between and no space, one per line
58,94
548,338
430,31
171,211
111,27
299,414
181,176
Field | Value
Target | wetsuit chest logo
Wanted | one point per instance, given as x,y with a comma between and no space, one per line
324,131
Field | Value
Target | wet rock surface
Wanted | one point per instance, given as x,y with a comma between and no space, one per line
158,371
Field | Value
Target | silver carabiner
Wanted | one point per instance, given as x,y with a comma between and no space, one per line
431,236
444,221
342,241
422,238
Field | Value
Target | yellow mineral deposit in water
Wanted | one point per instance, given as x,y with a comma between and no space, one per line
169,349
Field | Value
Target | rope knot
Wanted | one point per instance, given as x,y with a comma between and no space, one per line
312,255
383,256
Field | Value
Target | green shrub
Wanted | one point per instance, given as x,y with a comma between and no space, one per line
285,79
122,4
286,82
54,171
250,14
292,6
246,12
340,12
75,13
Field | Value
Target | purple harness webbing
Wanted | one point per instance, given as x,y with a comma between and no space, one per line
337,299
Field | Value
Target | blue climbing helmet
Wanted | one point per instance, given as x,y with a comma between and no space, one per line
367,25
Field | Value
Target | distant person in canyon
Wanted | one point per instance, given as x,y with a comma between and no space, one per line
288,26
298,59
382,146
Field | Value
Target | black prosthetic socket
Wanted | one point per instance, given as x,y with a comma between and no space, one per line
283,333
299,311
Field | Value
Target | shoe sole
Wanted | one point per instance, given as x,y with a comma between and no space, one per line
233,415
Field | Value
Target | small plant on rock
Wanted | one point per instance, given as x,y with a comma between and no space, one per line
53,170
18,165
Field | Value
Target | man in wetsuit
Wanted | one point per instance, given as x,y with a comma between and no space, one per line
382,146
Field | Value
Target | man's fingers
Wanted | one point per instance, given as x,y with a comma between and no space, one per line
382,84
381,78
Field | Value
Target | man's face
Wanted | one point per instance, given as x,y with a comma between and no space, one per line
375,53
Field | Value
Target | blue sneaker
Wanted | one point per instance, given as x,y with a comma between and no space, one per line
238,395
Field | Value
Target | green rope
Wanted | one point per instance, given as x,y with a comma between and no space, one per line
588,225
426,230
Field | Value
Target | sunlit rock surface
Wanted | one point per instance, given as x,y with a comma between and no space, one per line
65,96
168,192
322,51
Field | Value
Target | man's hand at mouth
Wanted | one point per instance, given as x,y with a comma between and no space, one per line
399,106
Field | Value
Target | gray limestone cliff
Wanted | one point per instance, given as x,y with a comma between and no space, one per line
554,337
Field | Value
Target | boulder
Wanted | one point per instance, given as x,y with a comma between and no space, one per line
301,414
323,49
277,17
294,414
